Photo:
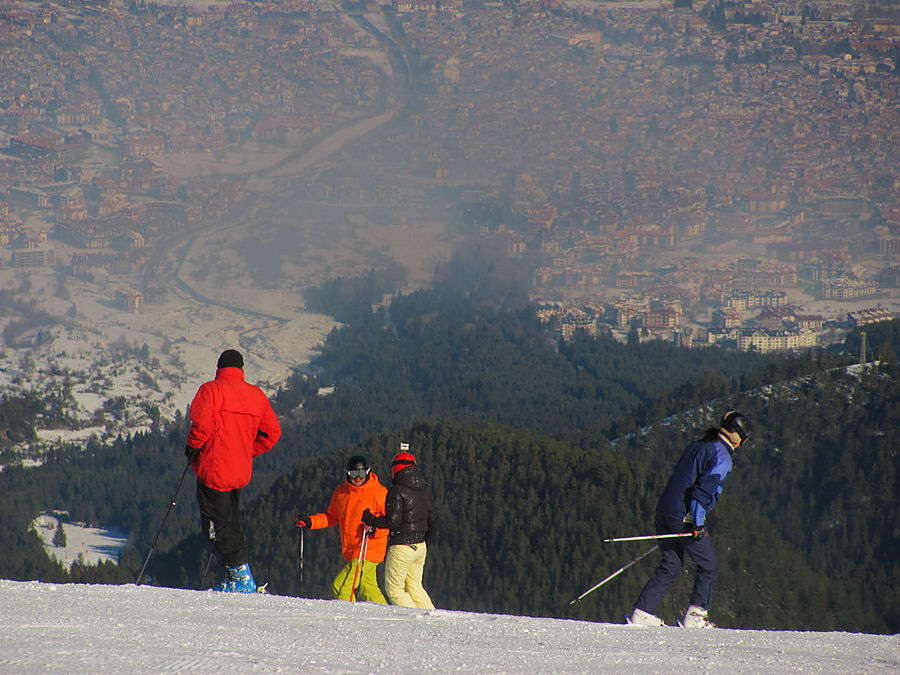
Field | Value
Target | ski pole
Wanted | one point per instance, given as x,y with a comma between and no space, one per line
359,563
361,566
162,524
301,555
616,573
212,552
644,537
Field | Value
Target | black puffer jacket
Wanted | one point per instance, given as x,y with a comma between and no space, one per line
409,508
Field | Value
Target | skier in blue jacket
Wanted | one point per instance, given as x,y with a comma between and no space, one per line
690,494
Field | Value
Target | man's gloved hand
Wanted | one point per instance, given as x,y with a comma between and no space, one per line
369,518
699,532
303,521
191,453
370,531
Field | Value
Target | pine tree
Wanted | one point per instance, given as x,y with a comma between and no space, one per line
59,537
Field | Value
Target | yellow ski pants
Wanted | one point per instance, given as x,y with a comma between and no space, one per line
403,569
367,588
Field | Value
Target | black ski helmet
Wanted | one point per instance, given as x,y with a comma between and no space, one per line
735,423
357,463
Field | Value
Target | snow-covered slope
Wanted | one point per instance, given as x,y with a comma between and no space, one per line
47,628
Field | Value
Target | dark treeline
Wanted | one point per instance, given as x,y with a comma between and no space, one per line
123,484
531,448
17,418
346,298
443,356
522,523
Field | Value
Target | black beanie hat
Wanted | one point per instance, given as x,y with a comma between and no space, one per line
357,462
230,358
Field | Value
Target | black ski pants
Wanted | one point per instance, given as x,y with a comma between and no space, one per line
673,551
219,521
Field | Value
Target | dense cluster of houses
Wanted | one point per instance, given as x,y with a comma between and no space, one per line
690,167
687,158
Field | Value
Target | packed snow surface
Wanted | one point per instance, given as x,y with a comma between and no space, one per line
51,628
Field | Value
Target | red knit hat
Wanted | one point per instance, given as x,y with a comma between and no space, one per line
401,461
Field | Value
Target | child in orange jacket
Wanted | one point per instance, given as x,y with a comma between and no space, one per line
362,490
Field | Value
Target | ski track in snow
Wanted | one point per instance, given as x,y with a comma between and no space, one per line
54,628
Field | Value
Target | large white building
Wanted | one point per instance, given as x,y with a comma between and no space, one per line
764,341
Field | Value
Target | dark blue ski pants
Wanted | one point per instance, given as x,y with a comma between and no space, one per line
673,551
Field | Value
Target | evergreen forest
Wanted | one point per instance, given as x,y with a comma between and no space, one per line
536,450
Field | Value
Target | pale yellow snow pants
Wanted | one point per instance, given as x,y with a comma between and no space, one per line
403,569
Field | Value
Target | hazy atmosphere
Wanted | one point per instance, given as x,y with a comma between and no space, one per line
176,175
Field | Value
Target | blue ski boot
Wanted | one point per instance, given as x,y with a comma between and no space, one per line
238,580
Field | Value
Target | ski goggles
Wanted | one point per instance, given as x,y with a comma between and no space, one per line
357,473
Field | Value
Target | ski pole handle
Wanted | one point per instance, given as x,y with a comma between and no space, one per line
645,537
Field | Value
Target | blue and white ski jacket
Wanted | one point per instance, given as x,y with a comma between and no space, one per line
696,482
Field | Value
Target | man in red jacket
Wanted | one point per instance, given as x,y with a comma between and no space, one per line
232,421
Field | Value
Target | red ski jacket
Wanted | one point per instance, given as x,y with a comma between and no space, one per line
346,508
231,422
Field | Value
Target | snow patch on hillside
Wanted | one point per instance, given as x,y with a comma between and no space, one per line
89,544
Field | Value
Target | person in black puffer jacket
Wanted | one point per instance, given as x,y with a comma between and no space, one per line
410,518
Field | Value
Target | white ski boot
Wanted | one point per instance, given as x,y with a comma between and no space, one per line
641,618
697,617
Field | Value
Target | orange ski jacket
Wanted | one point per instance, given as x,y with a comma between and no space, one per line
346,508
232,422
